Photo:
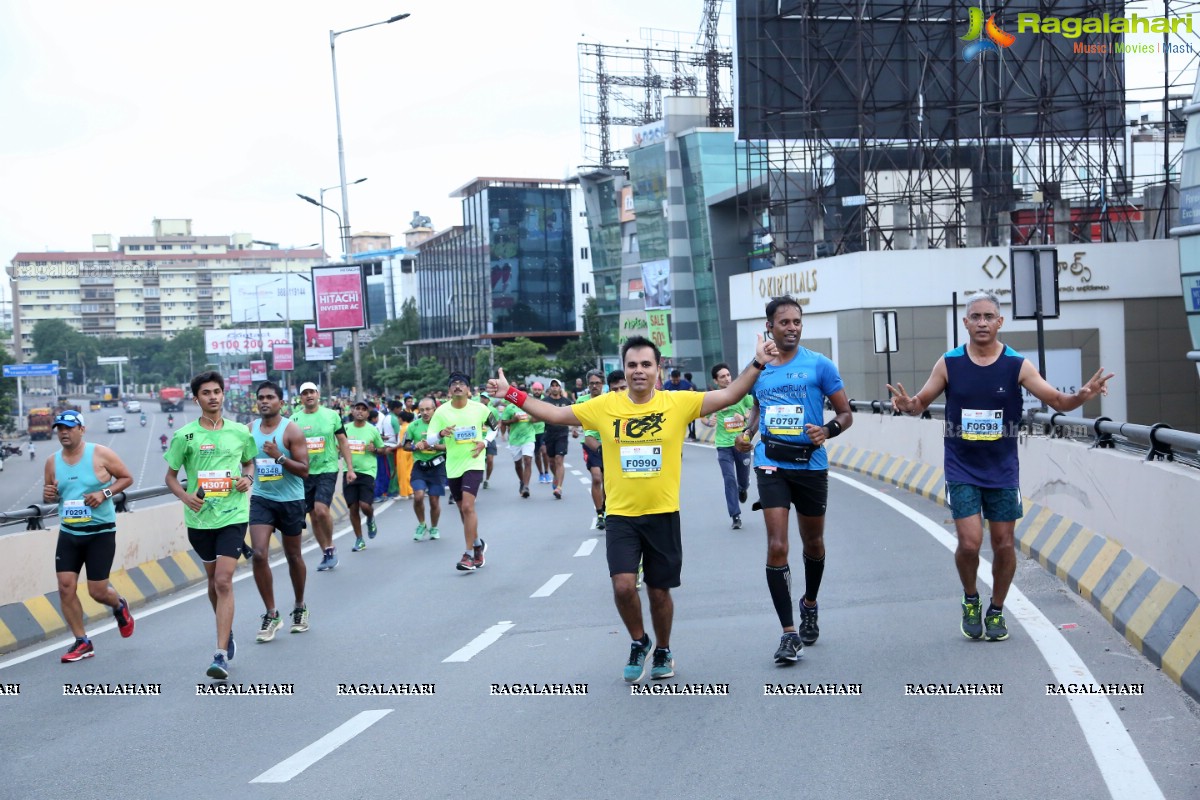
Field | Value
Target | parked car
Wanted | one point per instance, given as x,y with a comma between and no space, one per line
116,424
133,407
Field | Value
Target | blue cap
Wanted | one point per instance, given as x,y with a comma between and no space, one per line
69,419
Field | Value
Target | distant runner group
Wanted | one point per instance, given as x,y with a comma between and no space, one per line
280,474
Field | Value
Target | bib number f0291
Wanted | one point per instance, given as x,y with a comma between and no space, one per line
76,512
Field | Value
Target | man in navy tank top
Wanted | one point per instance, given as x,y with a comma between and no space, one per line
982,381
791,466
82,479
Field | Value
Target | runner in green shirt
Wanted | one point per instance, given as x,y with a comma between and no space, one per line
521,436
593,459
428,472
735,466
326,439
464,427
539,437
362,440
218,456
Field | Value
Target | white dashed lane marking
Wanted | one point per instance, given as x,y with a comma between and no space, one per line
289,768
587,547
476,645
552,584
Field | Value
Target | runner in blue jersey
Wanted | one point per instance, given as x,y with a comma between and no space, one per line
280,467
982,381
791,466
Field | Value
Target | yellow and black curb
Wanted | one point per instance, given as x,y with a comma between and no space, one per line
1157,616
39,618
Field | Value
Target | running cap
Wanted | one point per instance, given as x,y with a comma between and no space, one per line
554,381
362,403
68,419
456,377
304,387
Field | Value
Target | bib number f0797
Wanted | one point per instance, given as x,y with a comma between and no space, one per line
784,420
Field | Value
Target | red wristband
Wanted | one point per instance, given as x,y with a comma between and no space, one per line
515,395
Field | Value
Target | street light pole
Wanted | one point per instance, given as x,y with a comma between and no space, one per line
321,197
345,219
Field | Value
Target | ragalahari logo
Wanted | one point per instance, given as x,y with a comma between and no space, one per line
977,45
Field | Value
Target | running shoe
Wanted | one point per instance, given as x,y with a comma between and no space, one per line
737,522
467,563
270,624
219,668
543,478
480,549
972,618
451,499
124,619
557,493
600,523
663,665
77,652
485,484
328,561
996,630
372,530
359,545
791,649
230,647
434,533
808,624
420,532
524,490
299,620
635,667
742,495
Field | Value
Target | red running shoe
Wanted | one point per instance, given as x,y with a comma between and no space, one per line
124,619
80,650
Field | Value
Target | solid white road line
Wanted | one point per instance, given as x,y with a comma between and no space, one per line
160,607
1121,765
587,547
289,768
552,584
476,645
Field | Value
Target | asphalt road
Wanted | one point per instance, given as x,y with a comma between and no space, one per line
399,613
138,447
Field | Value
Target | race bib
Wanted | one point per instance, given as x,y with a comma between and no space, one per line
357,446
464,433
784,420
982,425
75,512
733,425
521,416
316,444
267,469
641,461
215,482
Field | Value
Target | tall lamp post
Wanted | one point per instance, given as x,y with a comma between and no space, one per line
345,218
321,197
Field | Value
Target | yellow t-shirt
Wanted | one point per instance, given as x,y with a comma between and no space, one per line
643,448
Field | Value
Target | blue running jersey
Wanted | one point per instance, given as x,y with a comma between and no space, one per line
790,396
983,413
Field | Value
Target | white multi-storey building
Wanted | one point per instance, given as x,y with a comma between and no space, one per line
144,285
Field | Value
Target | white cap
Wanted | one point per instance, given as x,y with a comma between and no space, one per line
304,387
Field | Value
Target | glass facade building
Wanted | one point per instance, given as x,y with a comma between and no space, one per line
508,271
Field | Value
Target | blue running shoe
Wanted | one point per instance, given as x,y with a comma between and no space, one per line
663,665
371,529
230,647
635,667
359,546
219,668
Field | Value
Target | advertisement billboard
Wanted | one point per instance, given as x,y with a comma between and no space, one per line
258,371
340,295
270,297
245,341
656,284
318,345
282,358
244,378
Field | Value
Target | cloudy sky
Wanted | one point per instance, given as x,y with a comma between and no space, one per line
118,113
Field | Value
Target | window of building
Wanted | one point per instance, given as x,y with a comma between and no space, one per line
134,247
583,254
586,287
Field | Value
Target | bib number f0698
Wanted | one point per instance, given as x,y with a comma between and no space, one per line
982,425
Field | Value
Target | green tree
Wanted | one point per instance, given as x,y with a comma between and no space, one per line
410,321
519,358
427,376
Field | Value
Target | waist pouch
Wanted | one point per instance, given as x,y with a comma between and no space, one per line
787,452
436,462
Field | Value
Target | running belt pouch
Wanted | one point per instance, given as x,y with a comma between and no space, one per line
787,452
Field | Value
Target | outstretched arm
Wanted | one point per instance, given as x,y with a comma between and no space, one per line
920,401
723,398
1032,380
555,415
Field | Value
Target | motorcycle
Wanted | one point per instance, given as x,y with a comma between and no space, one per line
143,420
12,449
170,422
163,442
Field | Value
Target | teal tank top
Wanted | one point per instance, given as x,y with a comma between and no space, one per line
271,480
74,481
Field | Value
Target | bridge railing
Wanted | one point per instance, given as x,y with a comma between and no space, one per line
34,515
1157,442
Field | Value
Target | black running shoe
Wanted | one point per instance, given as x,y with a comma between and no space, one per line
742,496
791,649
737,522
808,624
600,520
972,618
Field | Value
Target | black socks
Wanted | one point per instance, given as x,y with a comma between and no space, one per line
779,582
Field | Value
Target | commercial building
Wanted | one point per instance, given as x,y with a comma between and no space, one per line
511,269
141,286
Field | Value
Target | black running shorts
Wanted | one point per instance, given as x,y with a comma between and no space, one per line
652,539
319,489
359,490
556,443
806,489
212,542
93,550
287,517
468,482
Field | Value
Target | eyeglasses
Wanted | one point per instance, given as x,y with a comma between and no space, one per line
984,317
595,383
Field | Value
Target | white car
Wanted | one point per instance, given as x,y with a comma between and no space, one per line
116,424
133,407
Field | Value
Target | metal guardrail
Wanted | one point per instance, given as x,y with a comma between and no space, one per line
34,515
1158,442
